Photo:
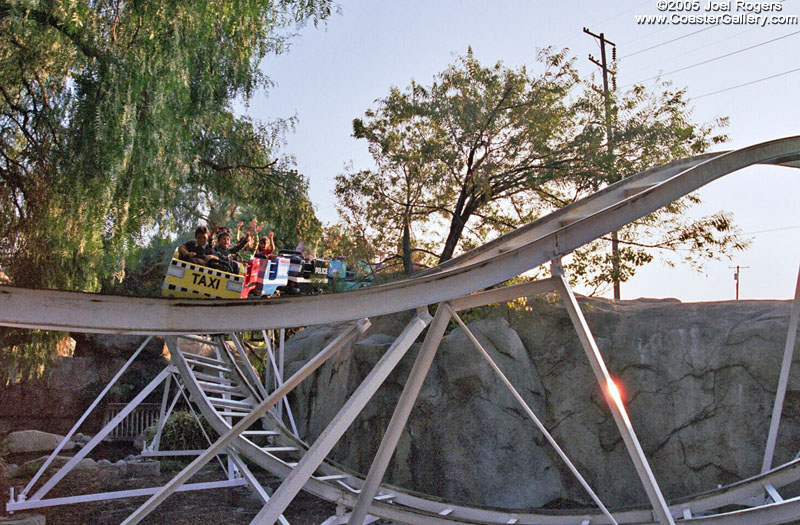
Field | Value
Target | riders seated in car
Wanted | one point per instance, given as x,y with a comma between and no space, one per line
226,254
198,250
266,245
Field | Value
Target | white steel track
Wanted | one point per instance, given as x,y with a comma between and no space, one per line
452,286
509,256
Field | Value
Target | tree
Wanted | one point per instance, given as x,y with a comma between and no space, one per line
650,128
111,109
475,138
490,148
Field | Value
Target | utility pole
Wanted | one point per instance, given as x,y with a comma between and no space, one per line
603,64
736,277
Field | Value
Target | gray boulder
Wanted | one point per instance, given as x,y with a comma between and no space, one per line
33,441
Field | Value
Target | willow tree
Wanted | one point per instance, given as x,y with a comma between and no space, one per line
110,109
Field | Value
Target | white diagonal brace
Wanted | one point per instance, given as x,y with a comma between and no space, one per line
278,383
88,411
401,412
783,381
535,419
258,411
255,486
162,414
83,452
317,453
615,404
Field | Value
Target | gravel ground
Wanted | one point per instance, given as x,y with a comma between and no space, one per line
218,506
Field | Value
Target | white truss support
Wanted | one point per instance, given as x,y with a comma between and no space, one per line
83,452
88,411
614,401
401,413
278,384
133,493
252,482
199,423
163,414
245,368
256,414
317,453
535,419
773,493
783,380
153,448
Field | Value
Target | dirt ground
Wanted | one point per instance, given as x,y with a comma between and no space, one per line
218,506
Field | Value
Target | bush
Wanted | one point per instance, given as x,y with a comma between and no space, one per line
182,432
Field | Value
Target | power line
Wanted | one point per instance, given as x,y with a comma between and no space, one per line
705,46
715,58
668,42
773,230
745,84
597,23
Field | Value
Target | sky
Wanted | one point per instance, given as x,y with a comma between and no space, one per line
334,72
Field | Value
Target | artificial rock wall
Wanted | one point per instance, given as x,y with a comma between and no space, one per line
698,379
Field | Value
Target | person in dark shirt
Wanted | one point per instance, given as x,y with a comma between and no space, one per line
226,253
198,250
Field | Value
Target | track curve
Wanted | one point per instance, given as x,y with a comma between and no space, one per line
528,247
543,240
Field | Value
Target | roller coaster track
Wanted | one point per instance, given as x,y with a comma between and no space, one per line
230,396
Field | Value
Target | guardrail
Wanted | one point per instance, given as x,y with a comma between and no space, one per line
143,416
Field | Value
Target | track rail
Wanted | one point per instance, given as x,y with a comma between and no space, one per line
510,255
530,246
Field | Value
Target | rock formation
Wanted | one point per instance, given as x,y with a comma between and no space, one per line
698,381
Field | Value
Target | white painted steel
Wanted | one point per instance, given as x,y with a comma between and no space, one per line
535,419
315,455
86,413
783,380
615,405
88,447
490,264
162,415
278,383
226,440
401,412
58,310
103,496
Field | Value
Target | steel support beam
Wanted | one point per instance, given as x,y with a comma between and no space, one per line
88,411
256,414
783,380
341,422
615,404
535,419
401,412
83,452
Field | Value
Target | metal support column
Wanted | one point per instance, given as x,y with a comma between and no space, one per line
614,402
83,452
256,414
783,380
401,412
317,453
535,419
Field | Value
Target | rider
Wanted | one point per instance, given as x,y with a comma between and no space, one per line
226,253
198,250
266,245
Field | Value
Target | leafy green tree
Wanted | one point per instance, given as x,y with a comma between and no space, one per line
111,110
462,149
491,148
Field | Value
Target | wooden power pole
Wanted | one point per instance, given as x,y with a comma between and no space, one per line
603,65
